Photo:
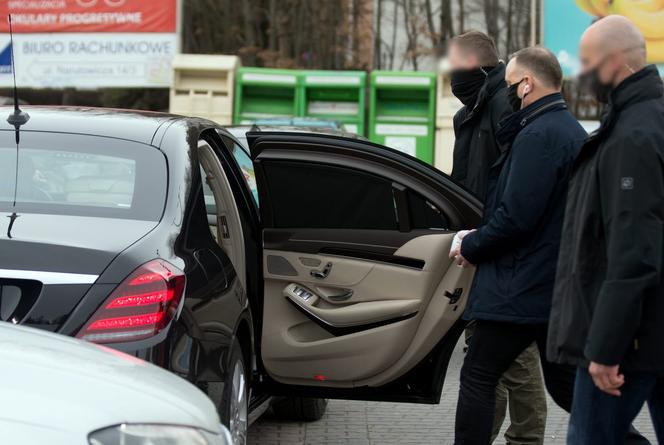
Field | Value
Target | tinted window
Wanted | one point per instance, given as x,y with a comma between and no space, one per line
318,196
423,214
82,175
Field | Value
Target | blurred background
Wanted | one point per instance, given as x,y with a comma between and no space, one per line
375,66
318,34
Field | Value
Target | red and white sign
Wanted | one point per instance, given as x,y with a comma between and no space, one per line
89,16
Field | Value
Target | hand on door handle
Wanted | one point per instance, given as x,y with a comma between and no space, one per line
321,274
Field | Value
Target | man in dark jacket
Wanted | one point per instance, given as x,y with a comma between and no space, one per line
516,248
478,81
608,307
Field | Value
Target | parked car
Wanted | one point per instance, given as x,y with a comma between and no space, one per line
312,123
338,286
62,391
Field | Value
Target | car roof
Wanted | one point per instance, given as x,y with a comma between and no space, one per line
138,126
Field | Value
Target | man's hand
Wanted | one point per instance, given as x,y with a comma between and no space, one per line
607,378
456,249
461,261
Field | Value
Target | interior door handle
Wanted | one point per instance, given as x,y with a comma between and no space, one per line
321,274
341,297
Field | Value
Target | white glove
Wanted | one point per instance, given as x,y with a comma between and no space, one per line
456,242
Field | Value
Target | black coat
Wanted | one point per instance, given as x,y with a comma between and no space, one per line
475,147
516,248
609,296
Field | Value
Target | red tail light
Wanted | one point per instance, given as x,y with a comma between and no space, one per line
140,307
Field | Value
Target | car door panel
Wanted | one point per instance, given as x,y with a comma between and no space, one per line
385,311
347,309
352,315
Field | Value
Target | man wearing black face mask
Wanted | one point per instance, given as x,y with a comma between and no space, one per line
478,81
608,306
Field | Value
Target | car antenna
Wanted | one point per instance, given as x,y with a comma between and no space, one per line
18,117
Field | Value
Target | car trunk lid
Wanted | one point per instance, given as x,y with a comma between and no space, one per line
48,262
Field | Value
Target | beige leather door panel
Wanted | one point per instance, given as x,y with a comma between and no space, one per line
357,322
352,314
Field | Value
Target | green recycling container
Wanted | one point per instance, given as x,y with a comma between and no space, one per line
335,95
402,111
262,93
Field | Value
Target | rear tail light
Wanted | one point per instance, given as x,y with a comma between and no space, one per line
140,307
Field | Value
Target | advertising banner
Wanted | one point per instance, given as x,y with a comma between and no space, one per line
566,20
38,16
82,60
89,43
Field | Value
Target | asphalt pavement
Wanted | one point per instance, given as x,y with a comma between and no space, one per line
377,423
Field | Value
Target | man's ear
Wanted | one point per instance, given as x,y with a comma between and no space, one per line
527,88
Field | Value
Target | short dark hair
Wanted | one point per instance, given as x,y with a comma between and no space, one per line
542,62
479,44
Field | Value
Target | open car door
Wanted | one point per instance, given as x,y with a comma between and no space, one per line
360,298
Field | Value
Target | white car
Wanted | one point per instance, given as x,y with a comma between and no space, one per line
60,391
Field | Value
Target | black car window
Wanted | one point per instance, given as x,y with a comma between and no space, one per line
423,214
307,195
82,175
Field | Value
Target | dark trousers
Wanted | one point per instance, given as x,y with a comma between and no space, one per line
600,418
493,348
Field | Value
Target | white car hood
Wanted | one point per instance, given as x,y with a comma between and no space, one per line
60,386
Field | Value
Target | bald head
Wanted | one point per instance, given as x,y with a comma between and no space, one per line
615,33
615,46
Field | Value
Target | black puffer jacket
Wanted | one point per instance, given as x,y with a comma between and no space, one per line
475,146
608,303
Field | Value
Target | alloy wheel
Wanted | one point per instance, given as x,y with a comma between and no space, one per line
238,409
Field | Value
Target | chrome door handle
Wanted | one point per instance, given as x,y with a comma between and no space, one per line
322,274
341,297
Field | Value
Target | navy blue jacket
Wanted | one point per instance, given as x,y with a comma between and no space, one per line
516,248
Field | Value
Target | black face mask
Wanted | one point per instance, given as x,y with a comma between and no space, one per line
513,96
466,84
591,83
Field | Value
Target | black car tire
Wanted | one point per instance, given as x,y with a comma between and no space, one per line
299,408
235,401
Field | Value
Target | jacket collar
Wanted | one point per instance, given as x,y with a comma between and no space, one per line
640,86
495,80
511,126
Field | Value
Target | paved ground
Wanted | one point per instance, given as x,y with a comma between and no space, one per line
373,423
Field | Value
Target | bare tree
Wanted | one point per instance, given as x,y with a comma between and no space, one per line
345,34
378,42
462,16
